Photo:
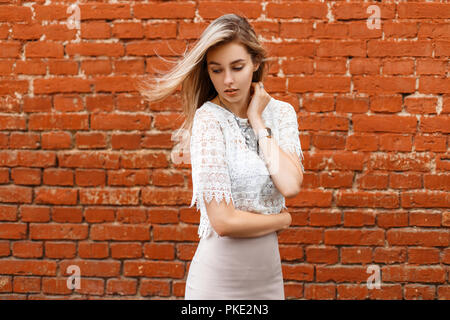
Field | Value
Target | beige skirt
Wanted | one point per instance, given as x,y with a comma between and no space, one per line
236,269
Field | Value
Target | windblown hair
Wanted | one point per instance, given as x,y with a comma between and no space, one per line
192,73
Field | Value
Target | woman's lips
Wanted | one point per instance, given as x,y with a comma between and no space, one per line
231,93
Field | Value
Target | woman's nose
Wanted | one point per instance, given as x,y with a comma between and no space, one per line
228,77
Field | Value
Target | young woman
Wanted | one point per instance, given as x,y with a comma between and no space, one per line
245,156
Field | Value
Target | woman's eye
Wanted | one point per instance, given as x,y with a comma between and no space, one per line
237,68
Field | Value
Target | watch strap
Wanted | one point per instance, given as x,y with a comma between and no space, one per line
266,132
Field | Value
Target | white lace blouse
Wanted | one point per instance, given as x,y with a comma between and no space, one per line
227,164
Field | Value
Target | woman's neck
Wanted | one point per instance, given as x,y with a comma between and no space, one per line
238,110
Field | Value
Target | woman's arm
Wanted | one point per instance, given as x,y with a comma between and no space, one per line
230,222
248,224
284,168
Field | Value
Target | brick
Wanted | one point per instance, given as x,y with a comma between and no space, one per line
319,84
164,11
399,162
159,251
425,219
386,103
387,292
398,67
405,180
296,30
437,182
91,268
425,199
389,255
121,287
384,123
354,237
359,219
126,250
413,237
336,179
27,249
430,143
384,85
432,85
106,11
352,105
373,181
435,124
395,142
423,10
13,230
58,231
342,274
392,219
296,10
301,235
352,292
421,48
322,141
300,272
119,232
320,291
91,286
419,292
362,142
160,269
427,274
310,198
60,250
352,255
368,199
27,284
319,218
423,256
28,267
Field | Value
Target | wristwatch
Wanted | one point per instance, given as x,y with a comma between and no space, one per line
266,132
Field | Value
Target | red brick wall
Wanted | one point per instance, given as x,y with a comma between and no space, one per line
85,170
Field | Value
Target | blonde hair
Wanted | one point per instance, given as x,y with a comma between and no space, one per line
192,73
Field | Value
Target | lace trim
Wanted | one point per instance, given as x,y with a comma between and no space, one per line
295,149
289,133
205,228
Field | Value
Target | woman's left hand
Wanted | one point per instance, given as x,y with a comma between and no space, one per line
282,210
259,101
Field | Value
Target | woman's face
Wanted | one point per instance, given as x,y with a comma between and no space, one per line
230,67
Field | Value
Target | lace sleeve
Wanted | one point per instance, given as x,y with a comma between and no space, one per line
289,134
210,175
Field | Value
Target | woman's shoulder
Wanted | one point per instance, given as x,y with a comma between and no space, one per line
278,109
280,105
210,111
205,111
208,115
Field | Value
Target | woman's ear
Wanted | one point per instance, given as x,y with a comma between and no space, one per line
256,67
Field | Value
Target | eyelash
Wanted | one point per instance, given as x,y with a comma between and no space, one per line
217,71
